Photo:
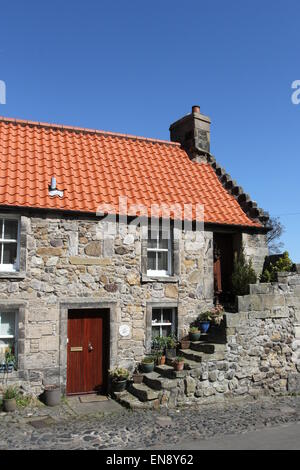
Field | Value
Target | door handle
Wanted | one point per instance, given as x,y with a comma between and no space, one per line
90,347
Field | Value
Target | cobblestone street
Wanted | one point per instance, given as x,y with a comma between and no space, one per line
62,428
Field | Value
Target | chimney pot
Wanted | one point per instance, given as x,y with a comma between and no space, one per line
196,109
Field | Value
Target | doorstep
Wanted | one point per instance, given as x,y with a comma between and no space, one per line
99,406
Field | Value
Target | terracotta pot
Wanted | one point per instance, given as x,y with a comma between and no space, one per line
179,365
137,378
185,344
9,404
161,360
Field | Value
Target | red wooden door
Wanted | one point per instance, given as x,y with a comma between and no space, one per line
86,360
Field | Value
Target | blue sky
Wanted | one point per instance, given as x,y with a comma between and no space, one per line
137,66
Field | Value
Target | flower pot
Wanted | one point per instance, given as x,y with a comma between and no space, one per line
119,385
170,353
2,367
52,395
185,344
195,336
161,360
147,366
204,326
10,367
9,404
179,365
137,378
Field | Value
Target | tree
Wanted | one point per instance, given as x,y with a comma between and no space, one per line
243,274
273,236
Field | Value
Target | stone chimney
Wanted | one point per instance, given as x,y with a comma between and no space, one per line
193,132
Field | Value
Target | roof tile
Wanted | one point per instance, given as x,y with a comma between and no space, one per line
94,167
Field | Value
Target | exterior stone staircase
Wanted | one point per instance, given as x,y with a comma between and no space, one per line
166,386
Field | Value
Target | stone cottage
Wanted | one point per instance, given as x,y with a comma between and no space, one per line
84,282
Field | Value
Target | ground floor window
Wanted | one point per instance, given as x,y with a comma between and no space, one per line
8,335
163,321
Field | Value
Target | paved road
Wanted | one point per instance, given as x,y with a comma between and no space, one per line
278,438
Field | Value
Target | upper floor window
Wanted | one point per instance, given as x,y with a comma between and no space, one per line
9,244
159,253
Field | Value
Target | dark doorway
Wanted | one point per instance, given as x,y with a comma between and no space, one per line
87,360
224,244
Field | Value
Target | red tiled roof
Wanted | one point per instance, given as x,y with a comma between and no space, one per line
96,167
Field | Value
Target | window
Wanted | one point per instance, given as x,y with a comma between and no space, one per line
163,321
159,251
8,324
9,244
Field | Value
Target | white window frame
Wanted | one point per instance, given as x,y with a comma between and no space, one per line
162,323
161,272
15,335
16,266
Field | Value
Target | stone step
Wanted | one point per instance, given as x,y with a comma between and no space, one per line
193,365
169,372
198,356
143,392
156,382
214,336
191,354
202,346
130,401
208,348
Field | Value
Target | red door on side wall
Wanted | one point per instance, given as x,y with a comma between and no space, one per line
87,360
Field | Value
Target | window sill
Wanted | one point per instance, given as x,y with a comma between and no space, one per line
12,275
167,279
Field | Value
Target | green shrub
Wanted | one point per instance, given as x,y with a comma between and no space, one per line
159,343
171,342
148,360
179,359
11,392
119,373
243,275
284,264
194,329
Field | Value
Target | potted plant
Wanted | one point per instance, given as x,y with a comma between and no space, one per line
185,342
10,360
194,333
217,315
171,345
158,347
10,395
160,358
137,377
179,363
147,364
52,395
204,321
119,377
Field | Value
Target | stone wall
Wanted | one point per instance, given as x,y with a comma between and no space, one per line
256,249
70,262
262,351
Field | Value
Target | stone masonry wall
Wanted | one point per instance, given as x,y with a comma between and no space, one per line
262,352
256,249
69,260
